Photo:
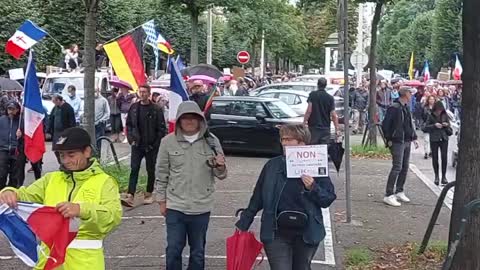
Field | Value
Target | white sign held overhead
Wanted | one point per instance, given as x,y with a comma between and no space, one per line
310,160
16,74
227,71
359,59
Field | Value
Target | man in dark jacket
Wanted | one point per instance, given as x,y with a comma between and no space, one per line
145,130
198,94
359,109
61,118
399,134
9,144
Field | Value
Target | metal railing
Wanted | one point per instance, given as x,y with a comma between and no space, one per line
112,147
433,219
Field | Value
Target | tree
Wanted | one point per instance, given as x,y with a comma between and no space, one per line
446,32
194,9
372,65
91,9
467,187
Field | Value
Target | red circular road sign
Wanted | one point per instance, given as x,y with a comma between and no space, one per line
243,57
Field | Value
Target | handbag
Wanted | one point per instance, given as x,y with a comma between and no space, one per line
292,220
449,131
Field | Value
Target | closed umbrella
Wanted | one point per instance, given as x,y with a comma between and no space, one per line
336,152
242,250
10,85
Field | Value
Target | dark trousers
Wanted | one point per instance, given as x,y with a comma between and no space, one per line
320,135
443,147
289,252
99,132
20,168
8,175
181,227
400,163
138,153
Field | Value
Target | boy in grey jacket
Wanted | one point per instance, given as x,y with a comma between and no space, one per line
188,162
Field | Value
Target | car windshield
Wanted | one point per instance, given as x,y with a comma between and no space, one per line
56,85
281,110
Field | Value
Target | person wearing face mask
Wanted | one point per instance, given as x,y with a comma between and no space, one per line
74,101
80,189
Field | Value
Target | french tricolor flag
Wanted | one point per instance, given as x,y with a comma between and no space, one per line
25,37
22,227
34,114
178,94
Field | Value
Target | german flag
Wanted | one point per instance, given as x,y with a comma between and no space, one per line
126,55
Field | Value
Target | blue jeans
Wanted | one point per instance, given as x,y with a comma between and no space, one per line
181,227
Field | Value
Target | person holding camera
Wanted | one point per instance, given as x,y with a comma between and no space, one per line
188,162
292,222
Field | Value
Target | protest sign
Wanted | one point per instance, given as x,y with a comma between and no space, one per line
311,160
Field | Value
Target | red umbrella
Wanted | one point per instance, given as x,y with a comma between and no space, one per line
242,250
414,83
120,84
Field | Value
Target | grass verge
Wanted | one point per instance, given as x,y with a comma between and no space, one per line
370,152
403,257
358,258
122,175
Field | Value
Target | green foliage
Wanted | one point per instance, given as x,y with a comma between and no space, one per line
358,257
370,151
446,36
122,175
431,31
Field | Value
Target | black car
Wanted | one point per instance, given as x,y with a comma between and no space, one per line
250,123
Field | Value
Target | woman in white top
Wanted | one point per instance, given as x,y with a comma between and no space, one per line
71,57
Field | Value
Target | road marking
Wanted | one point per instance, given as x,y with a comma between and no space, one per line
434,188
162,217
327,242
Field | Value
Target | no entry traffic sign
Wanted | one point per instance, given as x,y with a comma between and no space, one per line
243,57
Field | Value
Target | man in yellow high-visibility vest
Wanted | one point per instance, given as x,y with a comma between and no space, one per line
79,189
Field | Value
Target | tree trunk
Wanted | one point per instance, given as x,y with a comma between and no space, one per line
194,40
372,107
89,64
467,186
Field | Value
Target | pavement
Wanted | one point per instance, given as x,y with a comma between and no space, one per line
139,242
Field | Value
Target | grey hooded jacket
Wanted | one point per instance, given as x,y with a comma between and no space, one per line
184,180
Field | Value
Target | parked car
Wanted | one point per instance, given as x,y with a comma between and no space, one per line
303,86
250,124
297,100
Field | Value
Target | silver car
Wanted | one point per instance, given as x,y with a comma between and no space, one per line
301,86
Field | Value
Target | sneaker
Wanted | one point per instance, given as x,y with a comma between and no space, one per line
444,180
437,180
148,198
128,201
426,156
392,201
402,197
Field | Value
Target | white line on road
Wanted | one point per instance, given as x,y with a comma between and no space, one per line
429,182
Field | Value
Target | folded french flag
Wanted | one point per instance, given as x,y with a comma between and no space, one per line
22,227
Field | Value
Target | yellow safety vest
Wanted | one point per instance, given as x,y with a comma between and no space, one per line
83,253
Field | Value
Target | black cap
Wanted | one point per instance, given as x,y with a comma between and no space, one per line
72,139
13,104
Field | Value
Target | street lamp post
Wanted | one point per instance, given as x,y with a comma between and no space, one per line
210,35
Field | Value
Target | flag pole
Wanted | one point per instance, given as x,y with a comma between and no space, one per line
129,31
56,41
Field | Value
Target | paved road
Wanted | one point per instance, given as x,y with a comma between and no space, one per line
139,243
